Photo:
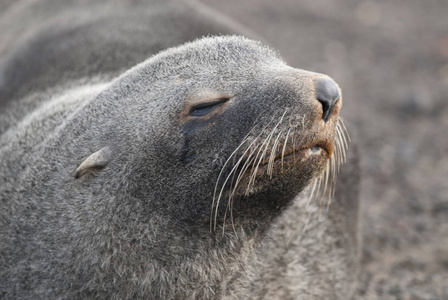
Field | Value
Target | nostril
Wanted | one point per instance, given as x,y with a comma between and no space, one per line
327,92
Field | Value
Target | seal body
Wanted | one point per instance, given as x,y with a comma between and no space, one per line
182,178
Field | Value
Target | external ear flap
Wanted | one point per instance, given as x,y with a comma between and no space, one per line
96,160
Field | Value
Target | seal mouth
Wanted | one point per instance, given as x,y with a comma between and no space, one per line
297,153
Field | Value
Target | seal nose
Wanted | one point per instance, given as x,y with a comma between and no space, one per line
327,93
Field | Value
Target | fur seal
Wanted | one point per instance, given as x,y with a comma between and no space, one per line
182,178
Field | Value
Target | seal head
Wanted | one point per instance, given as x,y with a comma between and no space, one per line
211,118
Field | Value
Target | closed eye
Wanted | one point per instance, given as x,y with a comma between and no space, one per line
204,109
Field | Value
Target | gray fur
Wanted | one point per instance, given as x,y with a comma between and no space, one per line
53,42
140,225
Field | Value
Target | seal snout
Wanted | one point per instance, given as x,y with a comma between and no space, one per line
327,93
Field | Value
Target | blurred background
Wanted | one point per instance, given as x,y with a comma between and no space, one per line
391,60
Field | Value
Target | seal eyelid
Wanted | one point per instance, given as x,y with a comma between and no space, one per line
204,109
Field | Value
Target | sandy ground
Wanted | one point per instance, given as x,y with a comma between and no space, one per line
391,61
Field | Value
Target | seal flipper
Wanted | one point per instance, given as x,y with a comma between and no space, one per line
96,160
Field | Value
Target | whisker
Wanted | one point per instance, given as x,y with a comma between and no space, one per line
318,187
309,213
341,121
261,158
327,174
273,152
225,216
246,138
274,147
345,147
246,165
284,145
333,161
332,181
304,211
231,217
266,144
249,162
293,146
229,202
222,189
295,143
339,147
225,182
255,166
342,146
220,174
